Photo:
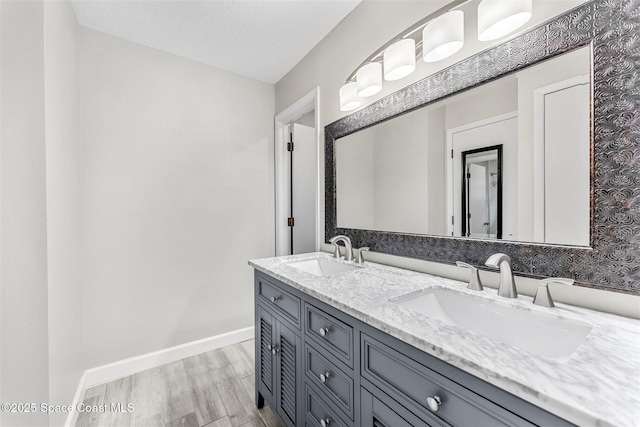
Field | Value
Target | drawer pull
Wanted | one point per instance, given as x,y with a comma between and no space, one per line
325,422
274,299
323,332
324,377
434,402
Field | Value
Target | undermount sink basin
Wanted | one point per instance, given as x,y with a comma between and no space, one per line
321,266
540,334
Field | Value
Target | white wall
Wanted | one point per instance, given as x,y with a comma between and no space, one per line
23,226
63,204
400,174
177,194
355,181
381,169
483,102
436,135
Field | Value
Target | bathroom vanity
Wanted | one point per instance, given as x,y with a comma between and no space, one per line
337,344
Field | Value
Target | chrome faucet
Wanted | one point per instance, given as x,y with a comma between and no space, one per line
543,297
348,251
507,286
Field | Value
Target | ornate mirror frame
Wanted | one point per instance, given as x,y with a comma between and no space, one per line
612,29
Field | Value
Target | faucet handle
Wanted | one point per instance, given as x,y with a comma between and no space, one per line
543,297
360,256
336,250
474,281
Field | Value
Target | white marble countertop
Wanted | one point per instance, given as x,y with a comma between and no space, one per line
598,385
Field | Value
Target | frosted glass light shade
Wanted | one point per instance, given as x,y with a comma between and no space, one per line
369,79
497,18
399,59
349,99
443,36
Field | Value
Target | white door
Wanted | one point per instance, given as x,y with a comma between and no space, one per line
478,200
303,189
566,166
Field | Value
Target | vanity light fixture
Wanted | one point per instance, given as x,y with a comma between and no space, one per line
497,18
349,99
399,59
443,36
369,79
433,38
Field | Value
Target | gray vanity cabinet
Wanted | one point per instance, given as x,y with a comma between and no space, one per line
278,355
330,369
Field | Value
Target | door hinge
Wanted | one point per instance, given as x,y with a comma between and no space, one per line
452,154
290,222
469,215
289,146
452,220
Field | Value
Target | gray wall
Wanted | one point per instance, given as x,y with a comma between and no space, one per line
177,194
23,224
63,204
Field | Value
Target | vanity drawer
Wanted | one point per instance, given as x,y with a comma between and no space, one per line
279,300
318,410
330,333
407,379
330,380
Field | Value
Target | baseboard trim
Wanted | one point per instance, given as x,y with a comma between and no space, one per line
126,367
122,368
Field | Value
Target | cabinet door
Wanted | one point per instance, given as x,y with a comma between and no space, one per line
267,342
288,367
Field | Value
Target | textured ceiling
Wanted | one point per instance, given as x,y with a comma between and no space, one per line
261,39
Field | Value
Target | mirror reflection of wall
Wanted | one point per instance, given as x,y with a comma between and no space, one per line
405,174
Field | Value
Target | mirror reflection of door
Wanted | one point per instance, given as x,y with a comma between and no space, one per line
482,192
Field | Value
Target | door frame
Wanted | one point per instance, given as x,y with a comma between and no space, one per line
463,216
309,102
451,177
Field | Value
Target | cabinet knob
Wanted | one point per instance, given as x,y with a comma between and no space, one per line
323,332
434,402
275,350
269,346
324,377
274,298
325,422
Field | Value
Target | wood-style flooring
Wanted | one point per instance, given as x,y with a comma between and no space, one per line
213,389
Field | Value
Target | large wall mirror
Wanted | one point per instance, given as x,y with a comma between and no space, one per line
529,148
431,172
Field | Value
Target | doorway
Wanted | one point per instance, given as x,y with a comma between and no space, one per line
482,192
297,171
501,130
